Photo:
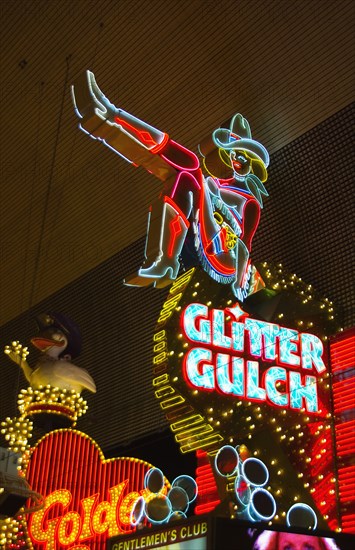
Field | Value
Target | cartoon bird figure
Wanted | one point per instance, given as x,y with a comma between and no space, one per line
59,340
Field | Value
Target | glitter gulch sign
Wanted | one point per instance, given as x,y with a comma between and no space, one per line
219,339
217,370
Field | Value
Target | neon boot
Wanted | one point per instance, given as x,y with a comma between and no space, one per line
167,231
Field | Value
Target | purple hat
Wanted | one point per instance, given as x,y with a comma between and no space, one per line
66,325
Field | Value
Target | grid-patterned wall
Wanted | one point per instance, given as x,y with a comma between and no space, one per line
183,66
305,224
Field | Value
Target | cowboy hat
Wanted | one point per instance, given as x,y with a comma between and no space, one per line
238,136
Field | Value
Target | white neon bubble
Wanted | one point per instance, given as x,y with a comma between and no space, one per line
226,461
262,505
137,511
255,472
301,515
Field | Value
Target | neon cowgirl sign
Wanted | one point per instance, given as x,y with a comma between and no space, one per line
216,203
219,338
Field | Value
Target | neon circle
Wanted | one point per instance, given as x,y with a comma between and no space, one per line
137,511
301,515
226,461
188,484
255,472
179,499
154,480
158,509
262,505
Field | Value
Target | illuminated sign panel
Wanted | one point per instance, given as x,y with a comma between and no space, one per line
224,377
211,533
208,366
185,535
87,498
217,350
343,363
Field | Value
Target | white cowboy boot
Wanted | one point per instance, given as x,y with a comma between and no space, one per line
166,236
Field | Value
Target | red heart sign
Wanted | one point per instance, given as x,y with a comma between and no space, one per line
87,498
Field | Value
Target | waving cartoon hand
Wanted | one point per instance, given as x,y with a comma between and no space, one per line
17,353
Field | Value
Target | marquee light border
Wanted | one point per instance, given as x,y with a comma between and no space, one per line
122,491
